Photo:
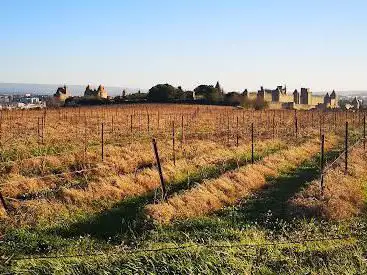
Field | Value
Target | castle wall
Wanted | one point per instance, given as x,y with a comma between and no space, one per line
276,105
286,98
252,96
303,107
315,100
334,103
300,101
268,97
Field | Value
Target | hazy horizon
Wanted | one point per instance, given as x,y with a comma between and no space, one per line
78,89
243,44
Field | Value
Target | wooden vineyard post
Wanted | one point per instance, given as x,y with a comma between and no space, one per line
273,127
237,132
335,120
148,122
131,124
139,122
252,143
42,129
85,138
322,160
158,121
346,115
38,130
3,203
173,143
1,129
346,147
227,129
182,130
296,125
163,185
320,126
102,142
112,124
364,132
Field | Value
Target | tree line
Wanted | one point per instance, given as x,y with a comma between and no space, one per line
166,93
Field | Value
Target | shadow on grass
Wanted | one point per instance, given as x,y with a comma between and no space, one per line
265,208
272,201
126,220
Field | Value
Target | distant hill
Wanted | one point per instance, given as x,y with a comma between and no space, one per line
50,89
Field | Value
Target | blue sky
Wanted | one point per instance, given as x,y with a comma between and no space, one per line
243,44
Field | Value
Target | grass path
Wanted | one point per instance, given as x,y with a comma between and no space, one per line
212,195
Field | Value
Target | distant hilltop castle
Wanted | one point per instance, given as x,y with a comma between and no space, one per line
62,94
100,92
278,98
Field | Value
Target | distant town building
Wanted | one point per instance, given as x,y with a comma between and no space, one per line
5,99
355,104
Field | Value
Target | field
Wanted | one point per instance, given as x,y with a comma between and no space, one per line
242,191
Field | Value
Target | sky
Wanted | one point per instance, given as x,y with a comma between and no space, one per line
139,43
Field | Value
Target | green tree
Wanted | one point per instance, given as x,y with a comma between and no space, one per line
163,93
209,93
234,98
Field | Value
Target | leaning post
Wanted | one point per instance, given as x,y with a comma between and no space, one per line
163,185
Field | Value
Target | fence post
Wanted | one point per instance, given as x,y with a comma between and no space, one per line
42,129
364,132
131,124
3,203
148,123
227,129
163,185
335,120
182,130
320,126
173,143
296,125
322,160
1,129
252,143
85,138
346,147
273,126
102,142
112,128
158,121
237,132
38,130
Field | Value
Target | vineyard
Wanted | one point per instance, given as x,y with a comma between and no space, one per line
182,189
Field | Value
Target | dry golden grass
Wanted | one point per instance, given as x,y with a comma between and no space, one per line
128,168
344,195
227,189
109,188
